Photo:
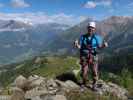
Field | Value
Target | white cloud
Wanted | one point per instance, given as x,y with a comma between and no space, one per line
94,4
41,17
104,3
90,4
19,4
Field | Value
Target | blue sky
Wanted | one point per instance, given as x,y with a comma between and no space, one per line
69,11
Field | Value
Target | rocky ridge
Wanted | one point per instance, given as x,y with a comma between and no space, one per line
40,88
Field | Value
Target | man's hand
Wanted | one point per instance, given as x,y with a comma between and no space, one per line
106,44
76,44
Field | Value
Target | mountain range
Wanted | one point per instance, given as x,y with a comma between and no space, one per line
116,30
21,40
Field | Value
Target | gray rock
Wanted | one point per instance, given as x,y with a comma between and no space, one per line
35,81
59,97
67,85
33,77
38,60
51,84
36,98
40,88
18,94
5,97
31,94
53,97
71,85
111,88
60,83
21,82
46,97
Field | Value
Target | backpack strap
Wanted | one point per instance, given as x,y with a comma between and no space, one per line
89,42
94,50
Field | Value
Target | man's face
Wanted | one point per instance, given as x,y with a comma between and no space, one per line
91,30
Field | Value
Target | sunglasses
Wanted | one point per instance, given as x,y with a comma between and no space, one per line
90,28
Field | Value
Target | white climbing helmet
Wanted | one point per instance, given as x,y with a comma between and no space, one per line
92,24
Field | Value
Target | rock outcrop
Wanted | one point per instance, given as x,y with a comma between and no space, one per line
41,88
111,88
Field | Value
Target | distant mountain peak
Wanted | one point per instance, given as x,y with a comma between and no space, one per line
14,25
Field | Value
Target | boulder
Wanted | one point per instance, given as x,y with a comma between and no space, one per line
21,82
68,84
59,97
36,98
111,88
17,94
32,94
51,84
38,60
53,97
71,85
54,89
35,81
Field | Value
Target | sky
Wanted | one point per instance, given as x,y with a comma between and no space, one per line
68,12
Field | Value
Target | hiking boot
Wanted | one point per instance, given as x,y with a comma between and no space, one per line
94,87
83,88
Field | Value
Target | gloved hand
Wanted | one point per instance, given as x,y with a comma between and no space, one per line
76,44
106,44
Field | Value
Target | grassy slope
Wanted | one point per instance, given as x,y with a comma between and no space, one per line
53,66
47,66
56,66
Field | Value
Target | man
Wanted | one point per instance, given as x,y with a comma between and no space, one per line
88,45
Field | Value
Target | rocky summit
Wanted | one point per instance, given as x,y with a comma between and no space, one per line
40,88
